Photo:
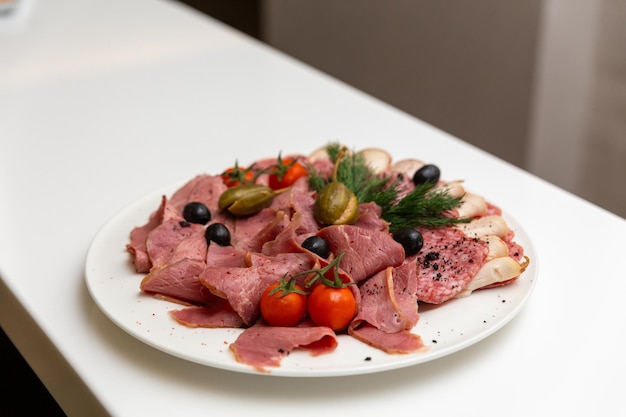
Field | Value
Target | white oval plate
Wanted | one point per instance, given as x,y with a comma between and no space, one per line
114,286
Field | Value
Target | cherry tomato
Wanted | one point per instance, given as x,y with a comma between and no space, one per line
284,307
332,307
236,176
287,171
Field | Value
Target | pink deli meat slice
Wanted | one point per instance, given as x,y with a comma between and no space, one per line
217,313
193,246
177,277
250,233
400,342
177,281
263,347
367,251
288,240
447,263
389,301
225,256
389,311
164,239
139,235
370,217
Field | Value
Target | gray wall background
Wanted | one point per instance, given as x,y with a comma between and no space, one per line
539,83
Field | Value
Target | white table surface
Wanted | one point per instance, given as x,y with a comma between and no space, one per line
102,102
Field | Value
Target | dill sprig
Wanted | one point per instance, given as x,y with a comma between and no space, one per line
423,206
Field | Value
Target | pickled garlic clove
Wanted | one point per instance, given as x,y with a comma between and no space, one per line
485,226
377,159
407,167
495,271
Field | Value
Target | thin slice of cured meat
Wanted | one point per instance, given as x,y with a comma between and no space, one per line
399,342
389,311
177,281
288,240
193,246
264,347
250,233
139,235
367,251
388,300
370,217
214,314
164,239
225,256
447,263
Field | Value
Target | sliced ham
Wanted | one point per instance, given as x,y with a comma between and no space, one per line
367,251
369,217
389,310
288,240
164,239
178,280
400,342
216,313
250,233
193,246
263,347
387,306
218,256
139,235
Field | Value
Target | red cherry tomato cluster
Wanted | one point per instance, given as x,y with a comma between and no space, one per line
330,303
235,176
284,173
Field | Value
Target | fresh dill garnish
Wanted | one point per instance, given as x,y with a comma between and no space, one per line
316,181
423,206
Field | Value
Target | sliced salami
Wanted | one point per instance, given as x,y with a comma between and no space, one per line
447,263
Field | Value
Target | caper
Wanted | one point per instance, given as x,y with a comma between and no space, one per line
336,204
246,200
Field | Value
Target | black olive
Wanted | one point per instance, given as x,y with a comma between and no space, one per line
217,233
195,212
428,174
317,245
410,239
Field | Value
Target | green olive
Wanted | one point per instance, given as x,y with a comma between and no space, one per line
246,200
336,204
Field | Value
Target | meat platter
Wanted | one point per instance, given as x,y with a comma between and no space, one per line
446,318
